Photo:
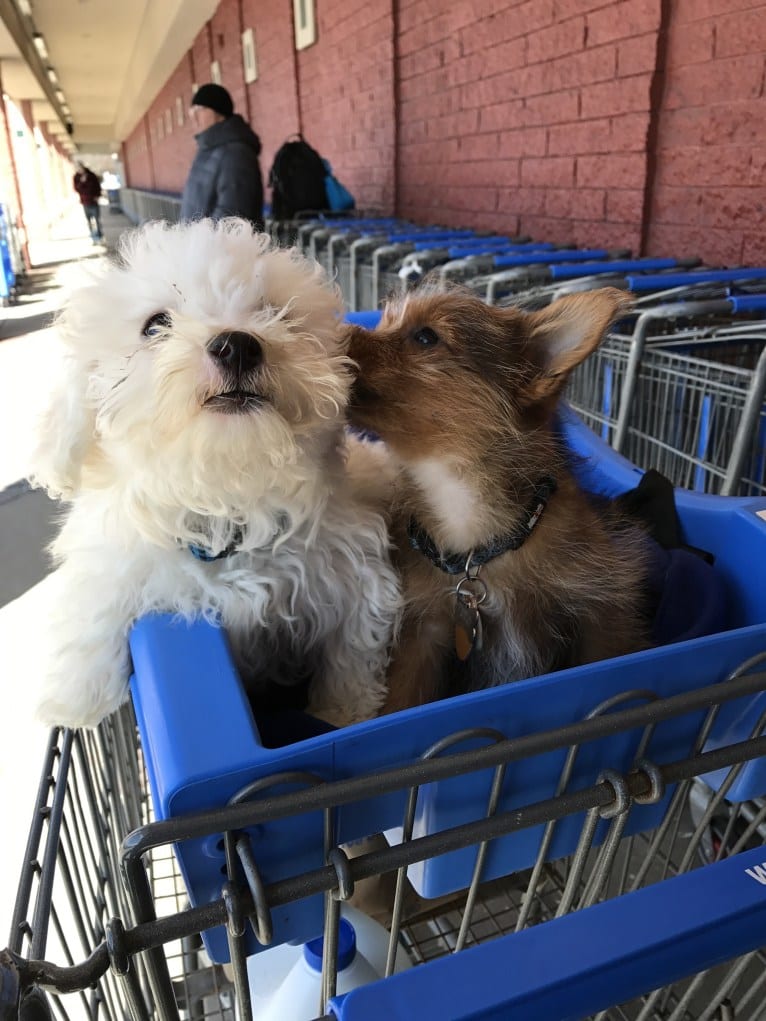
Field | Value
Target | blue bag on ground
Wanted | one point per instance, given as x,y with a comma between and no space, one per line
339,198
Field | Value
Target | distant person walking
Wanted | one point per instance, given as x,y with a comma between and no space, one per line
88,187
225,177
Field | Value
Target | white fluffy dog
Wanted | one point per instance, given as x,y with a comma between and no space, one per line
199,435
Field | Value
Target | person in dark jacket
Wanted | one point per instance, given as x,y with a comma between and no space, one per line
225,177
88,187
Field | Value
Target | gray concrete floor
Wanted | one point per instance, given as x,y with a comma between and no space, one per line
28,520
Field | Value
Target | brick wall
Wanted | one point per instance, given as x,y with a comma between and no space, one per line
608,122
708,188
347,96
528,117
274,96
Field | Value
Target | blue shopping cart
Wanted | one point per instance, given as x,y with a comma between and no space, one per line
582,844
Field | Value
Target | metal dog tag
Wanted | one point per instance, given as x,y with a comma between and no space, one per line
468,628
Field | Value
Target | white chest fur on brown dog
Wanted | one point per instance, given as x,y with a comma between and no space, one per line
509,570
198,436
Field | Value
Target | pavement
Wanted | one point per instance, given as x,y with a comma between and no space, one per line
28,518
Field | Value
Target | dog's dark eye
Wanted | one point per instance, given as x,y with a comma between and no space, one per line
425,337
156,324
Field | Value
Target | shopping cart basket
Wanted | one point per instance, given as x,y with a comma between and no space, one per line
546,810
685,399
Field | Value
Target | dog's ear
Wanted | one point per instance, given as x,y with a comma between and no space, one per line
567,331
65,432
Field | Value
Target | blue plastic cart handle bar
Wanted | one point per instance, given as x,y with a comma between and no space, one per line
369,319
659,281
469,243
527,249
429,235
491,239
479,247
582,255
576,965
504,243
618,266
748,303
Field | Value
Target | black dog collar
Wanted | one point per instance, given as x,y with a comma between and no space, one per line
457,563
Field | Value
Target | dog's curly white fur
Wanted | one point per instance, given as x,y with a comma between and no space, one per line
162,445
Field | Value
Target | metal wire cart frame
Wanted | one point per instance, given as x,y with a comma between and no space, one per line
586,844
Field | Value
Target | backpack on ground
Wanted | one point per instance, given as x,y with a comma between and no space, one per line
297,180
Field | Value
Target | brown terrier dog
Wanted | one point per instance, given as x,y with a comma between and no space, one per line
509,569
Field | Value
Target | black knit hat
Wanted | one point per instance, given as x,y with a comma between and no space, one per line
214,97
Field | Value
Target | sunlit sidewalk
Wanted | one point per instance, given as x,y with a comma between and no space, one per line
28,367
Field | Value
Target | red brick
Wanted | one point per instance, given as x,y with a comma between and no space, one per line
530,201
556,108
715,82
715,247
753,249
757,172
704,125
625,205
601,234
637,55
629,132
690,44
569,8
700,166
454,125
610,98
725,208
580,137
685,11
522,142
676,205
618,171
437,55
503,88
557,41
484,174
544,228
592,65
496,118
559,201
479,147
744,32
523,20
500,221
548,171
623,21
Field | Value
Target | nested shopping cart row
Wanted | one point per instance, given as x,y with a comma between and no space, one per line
679,387
682,388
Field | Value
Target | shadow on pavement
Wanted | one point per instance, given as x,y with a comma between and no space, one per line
27,324
29,521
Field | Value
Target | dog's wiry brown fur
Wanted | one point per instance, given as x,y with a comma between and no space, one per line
467,409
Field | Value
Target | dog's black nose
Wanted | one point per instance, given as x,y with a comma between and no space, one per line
238,351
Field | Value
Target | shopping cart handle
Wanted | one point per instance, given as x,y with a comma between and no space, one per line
749,302
660,281
576,965
480,248
368,319
617,266
567,255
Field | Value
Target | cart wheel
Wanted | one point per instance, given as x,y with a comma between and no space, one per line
35,1007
